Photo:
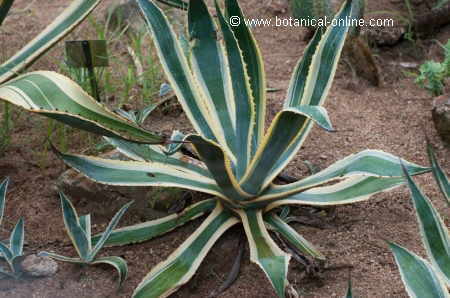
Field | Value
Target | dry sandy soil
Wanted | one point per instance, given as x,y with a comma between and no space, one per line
393,118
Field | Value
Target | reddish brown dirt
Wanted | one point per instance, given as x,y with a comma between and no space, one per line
393,118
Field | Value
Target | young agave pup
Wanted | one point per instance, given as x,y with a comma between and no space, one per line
222,89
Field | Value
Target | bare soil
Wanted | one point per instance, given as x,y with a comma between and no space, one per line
394,117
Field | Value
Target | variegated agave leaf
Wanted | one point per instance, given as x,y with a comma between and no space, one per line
60,27
418,275
5,6
79,231
57,97
439,174
421,278
14,249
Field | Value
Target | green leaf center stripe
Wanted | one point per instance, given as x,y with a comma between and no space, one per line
154,154
211,70
85,224
325,59
181,265
254,67
219,166
106,172
439,175
176,68
298,81
417,275
72,224
8,92
316,88
433,231
351,190
145,231
27,87
292,236
367,162
243,98
17,239
5,6
263,250
3,187
61,26
55,96
285,129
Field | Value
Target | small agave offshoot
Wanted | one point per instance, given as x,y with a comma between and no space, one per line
221,86
12,251
79,231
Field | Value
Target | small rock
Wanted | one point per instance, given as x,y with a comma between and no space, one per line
36,266
323,157
383,36
125,15
441,117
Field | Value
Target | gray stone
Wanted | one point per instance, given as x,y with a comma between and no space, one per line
441,117
36,266
125,15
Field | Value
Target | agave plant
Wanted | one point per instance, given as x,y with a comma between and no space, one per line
420,277
12,251
79,230
222,88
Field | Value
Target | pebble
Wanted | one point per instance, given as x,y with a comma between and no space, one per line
36,266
